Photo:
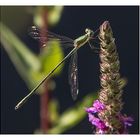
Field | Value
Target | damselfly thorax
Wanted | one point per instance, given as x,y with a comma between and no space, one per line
82,40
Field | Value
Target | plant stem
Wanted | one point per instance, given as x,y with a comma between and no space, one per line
44,98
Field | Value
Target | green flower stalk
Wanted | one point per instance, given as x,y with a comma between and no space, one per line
105,114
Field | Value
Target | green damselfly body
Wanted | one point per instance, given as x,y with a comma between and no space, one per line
73,69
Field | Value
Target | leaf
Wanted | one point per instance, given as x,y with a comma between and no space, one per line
53,14
50,56
73,115
23,59
16,17
31,67
53,111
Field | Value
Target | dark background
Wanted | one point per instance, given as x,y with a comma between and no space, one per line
125,24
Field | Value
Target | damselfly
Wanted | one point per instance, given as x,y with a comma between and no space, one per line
73,69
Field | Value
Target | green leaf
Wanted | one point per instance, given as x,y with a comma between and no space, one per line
32,68
53,14
50,56
73,115
23,59
53,111
16,17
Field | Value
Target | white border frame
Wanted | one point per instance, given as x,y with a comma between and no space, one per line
69,2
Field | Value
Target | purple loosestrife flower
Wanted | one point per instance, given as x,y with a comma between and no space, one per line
97,106
105,114
100,125
126,121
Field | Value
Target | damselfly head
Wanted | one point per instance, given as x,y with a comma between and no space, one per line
89,32
33,28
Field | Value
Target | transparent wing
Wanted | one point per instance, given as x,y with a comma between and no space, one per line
34,32
73,76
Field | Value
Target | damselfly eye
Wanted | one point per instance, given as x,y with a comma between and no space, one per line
33,28
87,30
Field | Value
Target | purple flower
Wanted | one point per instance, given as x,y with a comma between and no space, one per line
100,125
91,117
126,121
105,113
96,107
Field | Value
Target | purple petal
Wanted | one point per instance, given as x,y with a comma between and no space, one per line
91,110
99,123
100,131
98,105
126,120
91,117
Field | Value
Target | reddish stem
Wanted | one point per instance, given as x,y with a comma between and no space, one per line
44,111
44,98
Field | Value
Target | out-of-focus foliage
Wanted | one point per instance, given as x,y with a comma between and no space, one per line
31,67
20,15
50,56
72,116
54,111
52,17
16,17
23,59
